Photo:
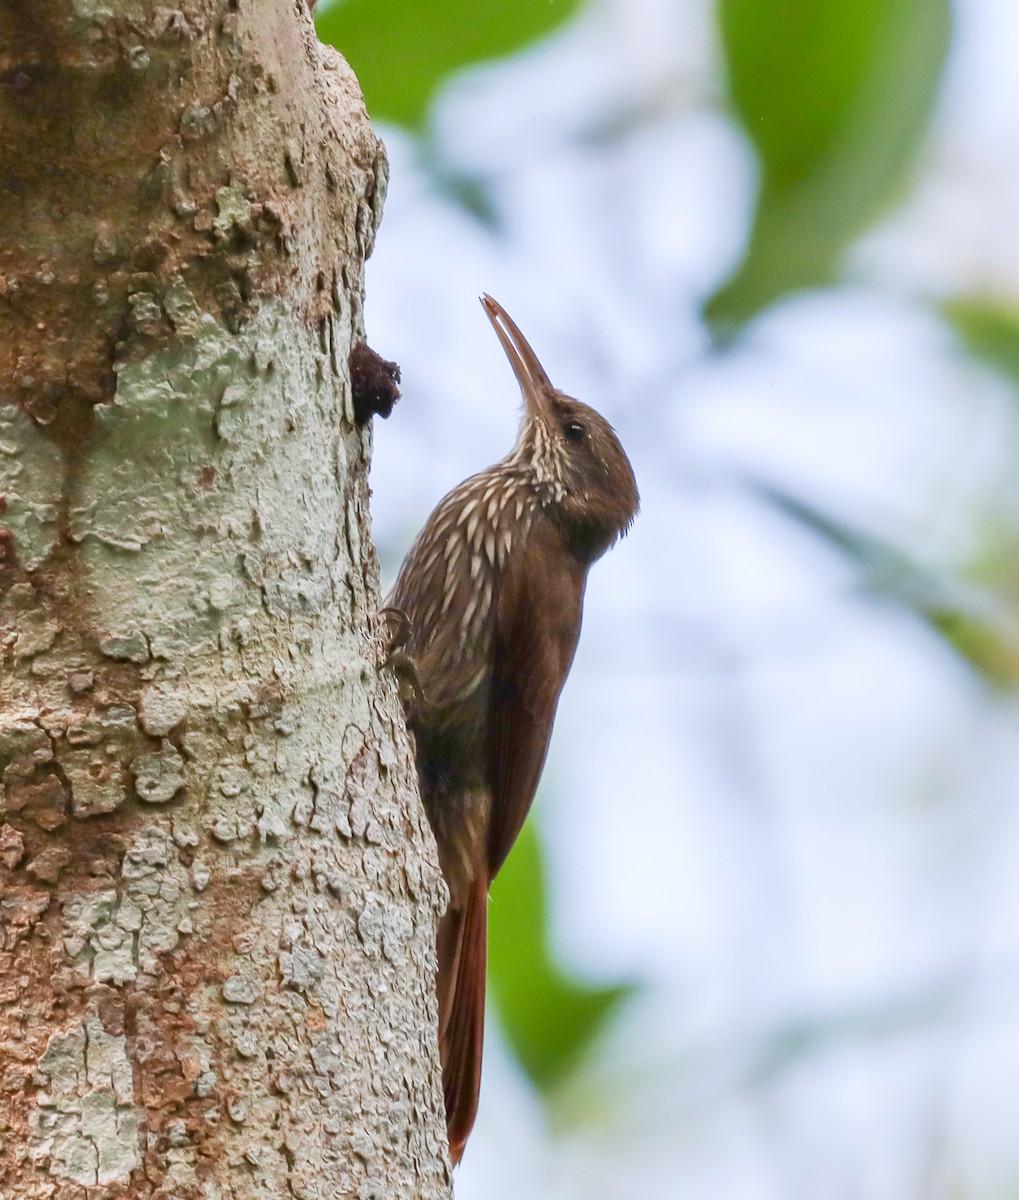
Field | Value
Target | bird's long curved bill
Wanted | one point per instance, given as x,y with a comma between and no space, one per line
534,383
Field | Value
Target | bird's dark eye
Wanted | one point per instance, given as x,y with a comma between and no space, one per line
574,431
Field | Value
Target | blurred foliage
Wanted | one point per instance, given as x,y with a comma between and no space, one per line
836,98
403,51
549,1019
989,330
969,622
982,643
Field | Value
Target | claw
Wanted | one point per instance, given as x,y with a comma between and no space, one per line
399,660
406,672
399,638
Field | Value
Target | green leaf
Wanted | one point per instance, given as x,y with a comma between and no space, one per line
402,51
989,330
836,96
549,1019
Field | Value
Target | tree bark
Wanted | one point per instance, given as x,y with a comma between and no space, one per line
218,892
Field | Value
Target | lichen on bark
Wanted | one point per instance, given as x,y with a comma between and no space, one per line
218,892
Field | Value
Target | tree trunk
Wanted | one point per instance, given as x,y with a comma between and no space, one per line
218,893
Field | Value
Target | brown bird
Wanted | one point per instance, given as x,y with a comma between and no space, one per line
492,591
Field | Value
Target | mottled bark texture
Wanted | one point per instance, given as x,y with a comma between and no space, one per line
218,894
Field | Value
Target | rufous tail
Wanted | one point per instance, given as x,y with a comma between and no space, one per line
462,954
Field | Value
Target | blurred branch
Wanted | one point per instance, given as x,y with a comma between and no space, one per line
964,619
677,1085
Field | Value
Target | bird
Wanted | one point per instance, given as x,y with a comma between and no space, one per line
489,599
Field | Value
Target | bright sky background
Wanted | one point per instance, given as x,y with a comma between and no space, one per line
784,807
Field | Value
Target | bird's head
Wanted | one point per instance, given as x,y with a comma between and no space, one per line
572,453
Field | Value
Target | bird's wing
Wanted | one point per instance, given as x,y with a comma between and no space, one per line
537,625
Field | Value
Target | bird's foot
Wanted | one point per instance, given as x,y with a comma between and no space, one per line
398,624
398,658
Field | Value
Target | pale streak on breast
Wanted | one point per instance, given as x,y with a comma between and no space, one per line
477,523
471,610
466,511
